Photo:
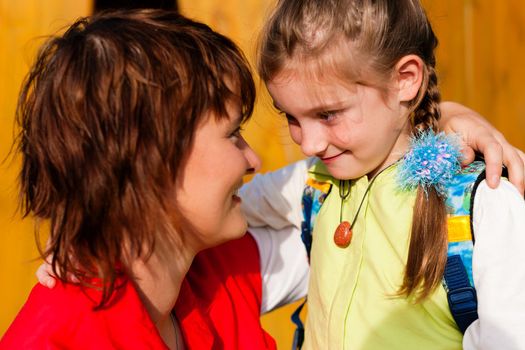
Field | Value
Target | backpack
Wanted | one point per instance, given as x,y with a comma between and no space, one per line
457,278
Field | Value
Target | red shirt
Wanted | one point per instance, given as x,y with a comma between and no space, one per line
220,301
218,308
63,318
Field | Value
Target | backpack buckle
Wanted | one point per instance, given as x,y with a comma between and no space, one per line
463,306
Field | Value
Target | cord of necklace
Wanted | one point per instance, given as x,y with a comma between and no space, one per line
344,195
176,328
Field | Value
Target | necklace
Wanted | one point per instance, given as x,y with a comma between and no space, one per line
176,328
343,233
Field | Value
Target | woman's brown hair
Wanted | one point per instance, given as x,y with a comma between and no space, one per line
362,40
107,115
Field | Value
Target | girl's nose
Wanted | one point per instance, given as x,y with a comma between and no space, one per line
313,142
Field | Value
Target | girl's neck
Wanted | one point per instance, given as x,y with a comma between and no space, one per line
158,281
397,152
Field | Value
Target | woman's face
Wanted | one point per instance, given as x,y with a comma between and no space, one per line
207,194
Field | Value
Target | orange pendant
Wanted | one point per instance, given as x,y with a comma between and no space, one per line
343,234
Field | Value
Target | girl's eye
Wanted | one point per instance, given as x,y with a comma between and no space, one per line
328,115
290,119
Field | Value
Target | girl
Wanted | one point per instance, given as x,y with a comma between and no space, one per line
356,80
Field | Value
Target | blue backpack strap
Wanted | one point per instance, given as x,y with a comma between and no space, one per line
462,298
306,224
298,336
457,278
314,194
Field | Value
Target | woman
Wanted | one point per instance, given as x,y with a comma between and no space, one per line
131,149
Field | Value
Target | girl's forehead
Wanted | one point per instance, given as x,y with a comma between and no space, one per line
342,61
303,96
306,83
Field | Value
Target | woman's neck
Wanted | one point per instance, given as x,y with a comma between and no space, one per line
158,281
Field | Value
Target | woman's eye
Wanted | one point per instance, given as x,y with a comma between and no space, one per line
236,134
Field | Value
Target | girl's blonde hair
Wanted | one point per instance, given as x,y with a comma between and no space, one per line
362,40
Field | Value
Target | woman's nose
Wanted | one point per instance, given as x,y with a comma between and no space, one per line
254,162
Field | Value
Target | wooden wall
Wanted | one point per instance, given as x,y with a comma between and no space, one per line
23,23
482,47
481,59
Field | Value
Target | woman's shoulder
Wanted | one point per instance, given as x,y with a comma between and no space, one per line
44,317
66,316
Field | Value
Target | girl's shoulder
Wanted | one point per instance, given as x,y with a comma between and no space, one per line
459,192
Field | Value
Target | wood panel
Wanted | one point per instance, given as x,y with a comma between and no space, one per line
482,47
23,23
480,59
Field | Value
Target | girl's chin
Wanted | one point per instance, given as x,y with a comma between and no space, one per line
341,173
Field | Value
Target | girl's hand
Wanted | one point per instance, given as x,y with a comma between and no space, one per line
45,275
479,135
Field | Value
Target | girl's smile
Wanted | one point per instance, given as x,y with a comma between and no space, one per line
330,159
355,130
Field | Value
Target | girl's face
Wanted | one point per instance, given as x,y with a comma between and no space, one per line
212,175
355,130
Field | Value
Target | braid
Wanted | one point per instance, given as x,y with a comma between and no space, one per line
427,113
428,242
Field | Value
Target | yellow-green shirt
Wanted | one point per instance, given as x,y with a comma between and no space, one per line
351,299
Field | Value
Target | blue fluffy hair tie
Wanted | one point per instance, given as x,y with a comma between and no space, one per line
432,161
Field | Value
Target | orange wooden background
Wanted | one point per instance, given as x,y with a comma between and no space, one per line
480,64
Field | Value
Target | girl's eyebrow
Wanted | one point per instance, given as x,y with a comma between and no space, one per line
276,106
333,106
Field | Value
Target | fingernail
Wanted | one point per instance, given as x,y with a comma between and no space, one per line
493,181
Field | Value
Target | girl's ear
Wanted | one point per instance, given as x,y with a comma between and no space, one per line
409,76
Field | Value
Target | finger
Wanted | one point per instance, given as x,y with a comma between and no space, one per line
50,282
41,273
493,153
44,277
512,158
515,164
522,155
468,155
72,278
